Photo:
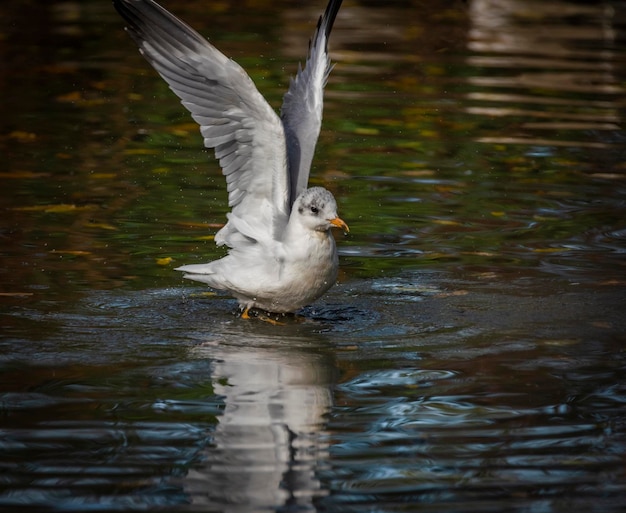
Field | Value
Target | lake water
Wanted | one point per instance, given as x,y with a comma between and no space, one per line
471,357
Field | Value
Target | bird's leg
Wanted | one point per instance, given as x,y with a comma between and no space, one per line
245,314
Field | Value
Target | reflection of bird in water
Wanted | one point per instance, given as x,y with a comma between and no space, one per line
282,254
269,437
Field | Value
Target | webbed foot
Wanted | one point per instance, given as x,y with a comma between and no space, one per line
270,317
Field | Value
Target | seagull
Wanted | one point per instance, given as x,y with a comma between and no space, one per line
281,252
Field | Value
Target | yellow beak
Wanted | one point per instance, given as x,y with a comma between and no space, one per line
339,223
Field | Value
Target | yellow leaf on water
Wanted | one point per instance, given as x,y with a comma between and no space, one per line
549,250
612,282
418,172
203,294
452,293
207,237
334,174
608,176
35,208
436,256
190,224
101,85
139,151
180,133
487,275
388,121
62,208
70,252
561,342
164,261
74,96
22,136
366,131
445,189
60,69
103,176
186,127
102,226
479,253
446,222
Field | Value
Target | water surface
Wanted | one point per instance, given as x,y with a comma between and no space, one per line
471,357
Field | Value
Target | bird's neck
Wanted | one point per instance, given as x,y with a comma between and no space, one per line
297,233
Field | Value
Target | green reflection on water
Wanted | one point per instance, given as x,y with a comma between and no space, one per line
114,178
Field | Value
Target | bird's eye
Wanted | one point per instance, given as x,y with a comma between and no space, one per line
315,210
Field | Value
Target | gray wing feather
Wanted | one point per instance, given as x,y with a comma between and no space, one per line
235,120
301,112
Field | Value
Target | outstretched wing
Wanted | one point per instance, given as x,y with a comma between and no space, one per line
303,103
235,120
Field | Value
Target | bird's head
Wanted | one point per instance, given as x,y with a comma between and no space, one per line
316,209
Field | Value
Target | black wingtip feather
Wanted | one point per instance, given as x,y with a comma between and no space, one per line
146,18
329,16
327,20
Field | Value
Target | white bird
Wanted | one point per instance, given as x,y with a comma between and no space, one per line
282,255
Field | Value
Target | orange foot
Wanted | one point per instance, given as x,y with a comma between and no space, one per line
261,316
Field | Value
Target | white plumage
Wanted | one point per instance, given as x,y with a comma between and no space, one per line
282,255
